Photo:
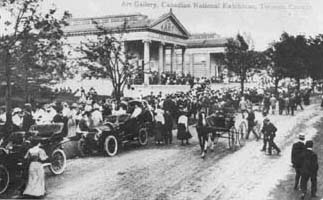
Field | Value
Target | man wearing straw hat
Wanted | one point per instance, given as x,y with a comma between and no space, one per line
296,157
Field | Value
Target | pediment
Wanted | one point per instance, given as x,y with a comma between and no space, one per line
170,24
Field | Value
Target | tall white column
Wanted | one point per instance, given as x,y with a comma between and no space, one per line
146,61
160,60
164,58
183,59
216,70
173,59
161,57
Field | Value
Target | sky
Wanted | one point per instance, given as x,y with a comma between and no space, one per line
261,20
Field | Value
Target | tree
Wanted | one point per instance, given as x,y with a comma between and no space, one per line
315,52
240,59
106,58
275,68
290,57
31,47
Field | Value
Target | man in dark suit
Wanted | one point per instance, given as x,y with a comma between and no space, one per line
292,104
168,127
297,151
309,169
251,124
269,131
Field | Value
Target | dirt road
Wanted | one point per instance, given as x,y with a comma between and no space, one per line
178,172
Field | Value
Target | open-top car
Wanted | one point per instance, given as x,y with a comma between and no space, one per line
95,140
125,130
14,148
117,130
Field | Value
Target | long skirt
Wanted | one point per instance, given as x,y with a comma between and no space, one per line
36,180
159,132
182,134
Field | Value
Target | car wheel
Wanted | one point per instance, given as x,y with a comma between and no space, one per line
58,162
4,179
143,136
111,145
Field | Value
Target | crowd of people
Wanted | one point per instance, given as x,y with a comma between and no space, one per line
168,111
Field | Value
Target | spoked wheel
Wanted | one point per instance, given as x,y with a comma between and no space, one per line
143,136
231,138
82,148
4,179
58,162
212,140
111,145
239,140
257,128
243,129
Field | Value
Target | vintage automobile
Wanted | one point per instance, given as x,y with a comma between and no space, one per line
14,148
116,131
94,140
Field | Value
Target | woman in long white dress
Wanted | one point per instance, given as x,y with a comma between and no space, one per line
36,175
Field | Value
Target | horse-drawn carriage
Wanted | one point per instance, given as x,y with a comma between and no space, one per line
13,149
223,124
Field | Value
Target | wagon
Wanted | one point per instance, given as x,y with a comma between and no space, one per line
13,166
223,125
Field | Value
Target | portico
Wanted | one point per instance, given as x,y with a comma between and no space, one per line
156,45
146,39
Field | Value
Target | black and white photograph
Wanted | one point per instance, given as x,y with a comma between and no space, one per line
161,99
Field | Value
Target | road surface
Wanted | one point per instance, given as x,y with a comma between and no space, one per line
178,172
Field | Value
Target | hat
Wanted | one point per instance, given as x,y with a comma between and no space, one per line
17,110
3,108
27,105
266,119
74,105
96,107
301,136
309,144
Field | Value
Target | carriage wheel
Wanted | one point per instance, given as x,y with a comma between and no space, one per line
212,140
111,145
215,138
58,162
4,179
236,136
81,146
143,136
243,129
231,137
257,128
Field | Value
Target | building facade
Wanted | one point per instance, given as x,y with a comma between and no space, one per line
160,45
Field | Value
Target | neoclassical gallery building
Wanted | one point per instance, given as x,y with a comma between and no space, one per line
159,45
